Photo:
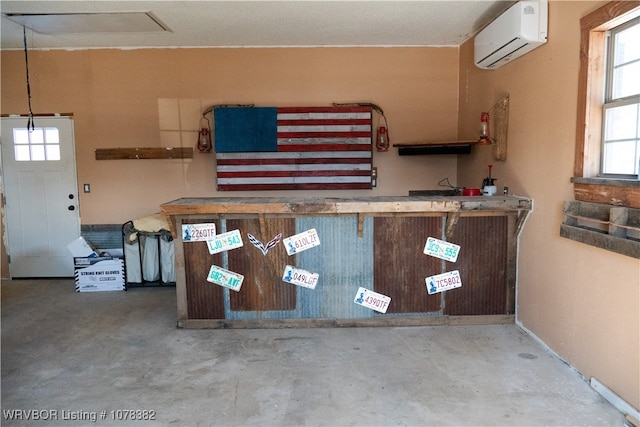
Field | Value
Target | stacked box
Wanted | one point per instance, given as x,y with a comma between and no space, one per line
97,274
81,248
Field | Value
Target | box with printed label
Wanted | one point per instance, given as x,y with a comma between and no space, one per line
99,274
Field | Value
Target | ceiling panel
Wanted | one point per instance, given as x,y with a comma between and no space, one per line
263,23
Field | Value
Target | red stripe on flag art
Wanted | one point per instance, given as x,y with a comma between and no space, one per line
317,148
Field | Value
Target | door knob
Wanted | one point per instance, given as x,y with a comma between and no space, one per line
71,208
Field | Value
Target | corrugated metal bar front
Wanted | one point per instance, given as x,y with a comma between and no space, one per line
343,260
482,263
400,264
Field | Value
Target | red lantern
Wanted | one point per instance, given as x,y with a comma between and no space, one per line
485,137
204,136
382,139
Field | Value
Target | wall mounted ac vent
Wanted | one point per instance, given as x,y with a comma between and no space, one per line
520,29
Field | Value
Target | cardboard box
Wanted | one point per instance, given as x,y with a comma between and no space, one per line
99,274
81,248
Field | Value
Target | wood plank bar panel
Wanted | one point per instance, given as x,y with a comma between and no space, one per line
367,205
263,289
401,267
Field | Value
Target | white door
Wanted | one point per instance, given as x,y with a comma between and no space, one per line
41,196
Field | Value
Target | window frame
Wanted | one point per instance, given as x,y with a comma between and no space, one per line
589,186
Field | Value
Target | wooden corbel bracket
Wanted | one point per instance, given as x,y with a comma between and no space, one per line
452,221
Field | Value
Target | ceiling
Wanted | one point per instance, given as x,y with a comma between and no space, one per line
236,23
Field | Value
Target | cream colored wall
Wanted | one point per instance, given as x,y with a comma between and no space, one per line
583,302
154,97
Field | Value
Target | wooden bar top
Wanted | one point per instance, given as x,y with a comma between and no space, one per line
359,205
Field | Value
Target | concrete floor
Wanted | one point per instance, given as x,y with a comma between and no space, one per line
79,354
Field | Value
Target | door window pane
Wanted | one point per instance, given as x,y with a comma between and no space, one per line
22,153
39,144
53,152
37,152
20,136
36,136
52,136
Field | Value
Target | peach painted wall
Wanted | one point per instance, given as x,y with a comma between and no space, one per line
154,97
583,302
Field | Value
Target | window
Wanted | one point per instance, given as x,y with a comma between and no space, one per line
606,209
607,147
39,144
621,109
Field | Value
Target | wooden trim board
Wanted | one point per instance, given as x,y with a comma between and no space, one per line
144,153
386,321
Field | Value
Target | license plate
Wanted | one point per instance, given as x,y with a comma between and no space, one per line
198,232
300,277
301,241
226,278
225,241
443,282
441,249
372,300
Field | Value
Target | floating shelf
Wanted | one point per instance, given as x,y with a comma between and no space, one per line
462,147
144,153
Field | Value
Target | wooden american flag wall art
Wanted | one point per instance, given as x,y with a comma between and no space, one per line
293,148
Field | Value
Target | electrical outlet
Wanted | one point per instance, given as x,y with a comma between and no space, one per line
87,188
374,177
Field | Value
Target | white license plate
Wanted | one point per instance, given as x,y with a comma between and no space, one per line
226,278
225,241
301,241
372,300
198,232
300,277
441,249
443,282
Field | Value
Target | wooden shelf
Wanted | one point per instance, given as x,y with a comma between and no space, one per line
144,153
458,147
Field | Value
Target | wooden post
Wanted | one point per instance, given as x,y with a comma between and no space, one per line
618,216
181,280
360,224
571,207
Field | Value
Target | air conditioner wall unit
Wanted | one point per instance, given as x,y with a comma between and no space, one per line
520,29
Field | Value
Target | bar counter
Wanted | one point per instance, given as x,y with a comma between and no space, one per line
374,243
